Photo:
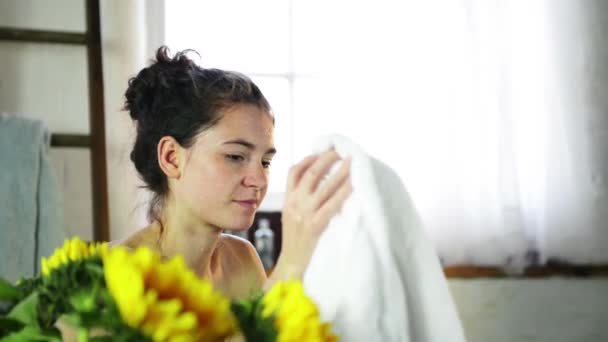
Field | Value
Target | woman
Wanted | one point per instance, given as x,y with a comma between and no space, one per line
204,148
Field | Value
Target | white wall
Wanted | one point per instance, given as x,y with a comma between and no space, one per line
124,43
533,310
49,82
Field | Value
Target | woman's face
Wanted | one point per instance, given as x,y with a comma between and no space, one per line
225,176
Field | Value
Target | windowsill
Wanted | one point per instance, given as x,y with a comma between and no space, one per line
576,271
481,272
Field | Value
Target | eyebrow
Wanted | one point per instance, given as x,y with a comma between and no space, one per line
249,145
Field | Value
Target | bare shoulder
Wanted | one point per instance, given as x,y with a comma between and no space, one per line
237,244
243,256
146,237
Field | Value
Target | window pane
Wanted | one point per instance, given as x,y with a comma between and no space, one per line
247,36
315,36
334,36
313,114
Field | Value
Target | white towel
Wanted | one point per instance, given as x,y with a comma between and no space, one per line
374,273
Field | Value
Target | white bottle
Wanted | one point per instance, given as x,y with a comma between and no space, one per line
264,243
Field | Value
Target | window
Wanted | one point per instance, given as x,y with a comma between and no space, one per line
457,97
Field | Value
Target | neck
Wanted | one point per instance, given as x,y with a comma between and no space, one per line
194,240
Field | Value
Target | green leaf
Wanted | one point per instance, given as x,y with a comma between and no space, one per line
72,320
83,335
9,326
253,326
84,301
26,311
32,334
8,291
56,290
96,269
101,339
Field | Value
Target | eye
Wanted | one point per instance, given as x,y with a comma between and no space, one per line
235,158
266,164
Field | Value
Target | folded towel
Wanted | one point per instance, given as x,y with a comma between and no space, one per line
31,216
374,273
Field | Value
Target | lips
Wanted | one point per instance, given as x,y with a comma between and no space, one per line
251,204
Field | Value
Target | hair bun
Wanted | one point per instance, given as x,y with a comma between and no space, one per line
156,80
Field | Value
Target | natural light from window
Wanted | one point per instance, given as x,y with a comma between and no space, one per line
458,97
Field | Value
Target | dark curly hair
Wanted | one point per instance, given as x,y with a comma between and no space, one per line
175,97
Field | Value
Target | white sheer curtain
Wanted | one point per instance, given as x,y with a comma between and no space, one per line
482,107
469,101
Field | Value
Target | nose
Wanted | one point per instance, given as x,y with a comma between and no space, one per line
256,177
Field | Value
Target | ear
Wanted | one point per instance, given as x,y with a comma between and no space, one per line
169,152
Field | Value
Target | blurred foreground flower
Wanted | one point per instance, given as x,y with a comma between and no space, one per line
165,299
126,295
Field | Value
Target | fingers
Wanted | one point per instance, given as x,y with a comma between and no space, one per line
333,184
335,202
309,202
315,173
309,206
296,172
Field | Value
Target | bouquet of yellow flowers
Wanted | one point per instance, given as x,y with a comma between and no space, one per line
135,296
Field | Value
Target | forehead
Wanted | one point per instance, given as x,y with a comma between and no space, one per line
242,122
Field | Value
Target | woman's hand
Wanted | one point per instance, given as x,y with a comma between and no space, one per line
309,205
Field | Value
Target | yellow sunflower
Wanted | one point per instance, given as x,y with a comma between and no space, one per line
72,250
296,315
166,300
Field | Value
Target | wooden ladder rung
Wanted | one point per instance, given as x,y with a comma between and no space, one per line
39,36
71,140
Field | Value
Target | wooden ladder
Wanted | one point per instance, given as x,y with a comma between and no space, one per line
95,140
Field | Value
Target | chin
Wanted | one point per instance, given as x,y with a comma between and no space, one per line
240,224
